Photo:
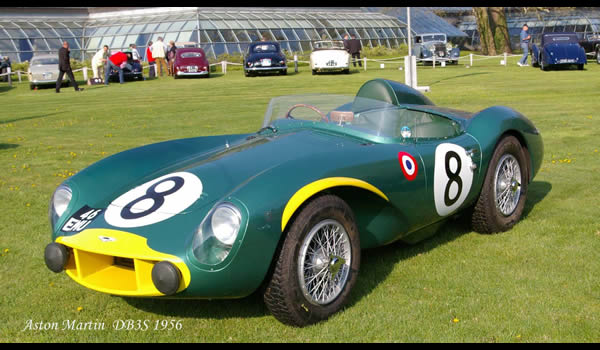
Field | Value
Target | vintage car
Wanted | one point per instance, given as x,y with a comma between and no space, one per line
191,62
264,57
558,49
434,47
329,56
133,71
591,45
287,209
43,71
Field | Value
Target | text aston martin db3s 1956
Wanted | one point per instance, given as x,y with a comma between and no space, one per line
558,49
289,207
435,47
264,57
191,62
329,56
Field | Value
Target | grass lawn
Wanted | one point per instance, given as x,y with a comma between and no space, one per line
539,282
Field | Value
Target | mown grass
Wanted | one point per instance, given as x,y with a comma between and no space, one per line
538,282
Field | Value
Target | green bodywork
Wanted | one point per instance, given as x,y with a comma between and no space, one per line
260,172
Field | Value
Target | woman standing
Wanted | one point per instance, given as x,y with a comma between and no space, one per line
171,57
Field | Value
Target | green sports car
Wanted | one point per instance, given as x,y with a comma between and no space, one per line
289,207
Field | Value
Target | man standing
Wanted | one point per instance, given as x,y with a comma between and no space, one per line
159,54
64,66
99,61
116,61
354,47
525,37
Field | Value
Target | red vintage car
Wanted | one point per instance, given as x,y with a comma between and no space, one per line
191,61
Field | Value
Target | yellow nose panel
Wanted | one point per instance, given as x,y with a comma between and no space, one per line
116,262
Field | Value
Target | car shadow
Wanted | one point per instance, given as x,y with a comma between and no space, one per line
376,265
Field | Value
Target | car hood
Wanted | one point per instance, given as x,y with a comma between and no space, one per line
223,164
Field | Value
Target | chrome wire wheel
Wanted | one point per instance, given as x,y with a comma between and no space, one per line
324,262
507,180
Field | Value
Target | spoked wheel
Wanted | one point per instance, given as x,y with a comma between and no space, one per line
502,199
317,265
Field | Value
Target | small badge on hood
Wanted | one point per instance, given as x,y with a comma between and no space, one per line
107,239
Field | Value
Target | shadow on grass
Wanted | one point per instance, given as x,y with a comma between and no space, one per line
376,265
25,118
4,146
458,76
5,88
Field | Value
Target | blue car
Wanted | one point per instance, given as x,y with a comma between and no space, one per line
264,57
558,49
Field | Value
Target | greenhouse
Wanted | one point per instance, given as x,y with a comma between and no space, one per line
217,30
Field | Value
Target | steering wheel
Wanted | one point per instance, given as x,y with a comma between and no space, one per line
323,116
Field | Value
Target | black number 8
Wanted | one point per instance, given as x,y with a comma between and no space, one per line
453,178
157,197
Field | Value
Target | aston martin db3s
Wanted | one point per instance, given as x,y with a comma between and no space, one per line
288,208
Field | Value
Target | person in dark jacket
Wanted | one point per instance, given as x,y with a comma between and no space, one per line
354,48
64,66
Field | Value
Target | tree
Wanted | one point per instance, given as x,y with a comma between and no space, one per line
493,30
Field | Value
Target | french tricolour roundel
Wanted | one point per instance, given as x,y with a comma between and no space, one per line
409,165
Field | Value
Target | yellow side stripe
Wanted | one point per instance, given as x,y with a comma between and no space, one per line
317,186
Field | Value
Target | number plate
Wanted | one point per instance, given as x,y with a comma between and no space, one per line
265,62
192,69
47,75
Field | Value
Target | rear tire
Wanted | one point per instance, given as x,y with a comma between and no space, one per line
311,281
502,198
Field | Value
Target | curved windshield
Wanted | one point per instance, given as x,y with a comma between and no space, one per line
190,54
434,37
360,114
263,48
328,45
44,61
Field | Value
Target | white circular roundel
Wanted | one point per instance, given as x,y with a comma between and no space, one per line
452,178
154,201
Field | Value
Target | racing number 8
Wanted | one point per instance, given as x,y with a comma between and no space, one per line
453,177
158,198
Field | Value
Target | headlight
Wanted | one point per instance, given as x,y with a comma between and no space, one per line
217,233
225,223
59,203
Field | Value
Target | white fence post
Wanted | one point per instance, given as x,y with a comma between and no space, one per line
224,67
365,63
434,61
85,73
295,63
505,59
471,59
19,75
8,71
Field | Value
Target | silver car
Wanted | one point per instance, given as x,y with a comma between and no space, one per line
43,70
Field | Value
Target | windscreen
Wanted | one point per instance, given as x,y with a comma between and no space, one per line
358,114
44,61
329,45
263,48
190,54
434,37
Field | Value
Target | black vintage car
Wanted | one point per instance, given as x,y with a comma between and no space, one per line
591,45
264,57
135,73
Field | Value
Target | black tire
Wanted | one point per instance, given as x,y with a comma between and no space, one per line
284,294
283,72
580,67
543,66
487,217
598,56
314,72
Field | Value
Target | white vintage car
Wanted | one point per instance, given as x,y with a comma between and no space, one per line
43,70
329,56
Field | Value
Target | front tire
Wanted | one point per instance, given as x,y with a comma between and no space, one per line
502,198
317,265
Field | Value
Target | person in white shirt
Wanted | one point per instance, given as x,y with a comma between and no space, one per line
159,54
99,60
134,52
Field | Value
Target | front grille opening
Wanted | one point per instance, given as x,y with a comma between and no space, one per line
124,262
